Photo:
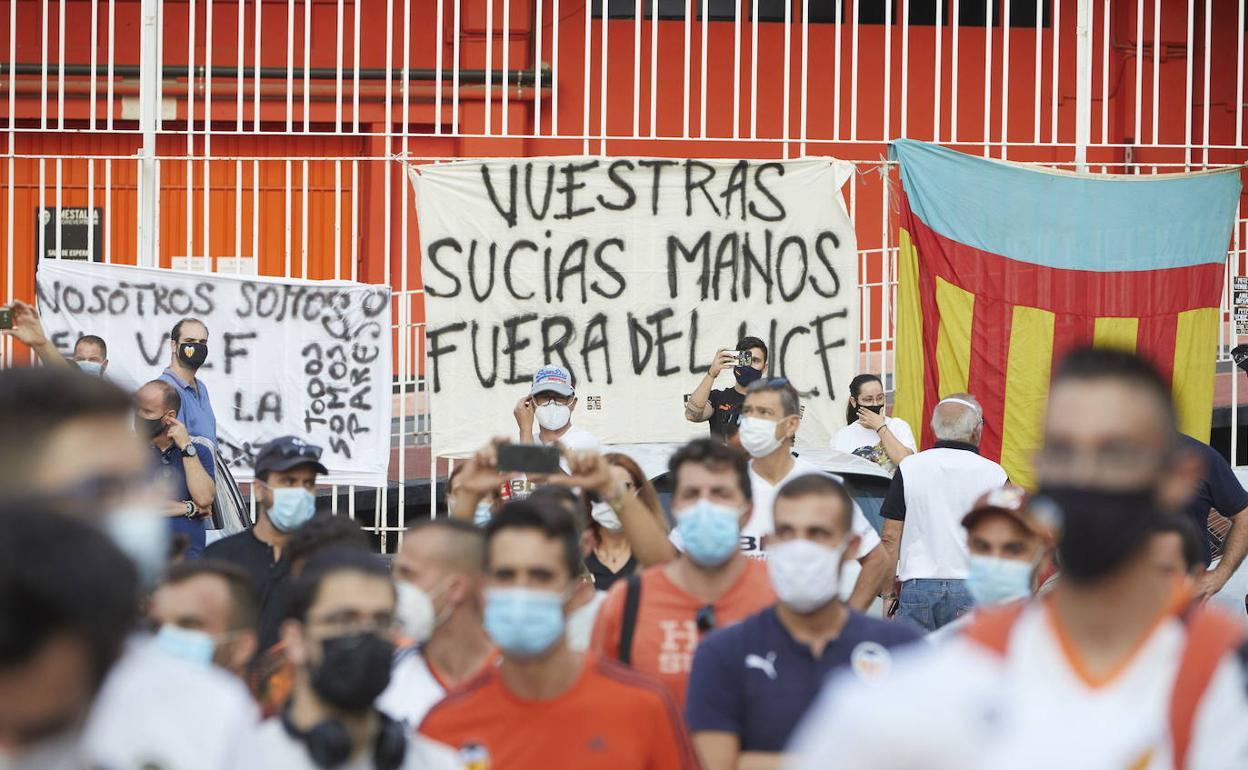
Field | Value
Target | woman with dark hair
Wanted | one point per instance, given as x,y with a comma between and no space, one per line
868,432
611,558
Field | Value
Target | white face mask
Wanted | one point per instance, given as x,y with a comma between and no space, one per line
141,533
553,416
805,574
414,611
758,436
59,752
606,516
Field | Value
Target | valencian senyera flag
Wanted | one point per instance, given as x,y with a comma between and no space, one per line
1003,268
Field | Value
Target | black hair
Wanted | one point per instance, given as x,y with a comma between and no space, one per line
749,343
819,484
552,520
855,387
323,531
1127,368
790,402
243,594
562,496
60,575
92,339
169,395
35,402
176,333
1186,530
322,564
714,455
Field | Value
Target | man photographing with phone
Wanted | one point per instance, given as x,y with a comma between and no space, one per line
187,472
722,408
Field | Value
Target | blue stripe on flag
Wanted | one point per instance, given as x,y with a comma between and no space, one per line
1070,221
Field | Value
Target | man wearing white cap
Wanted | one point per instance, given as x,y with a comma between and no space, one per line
930,493
546,413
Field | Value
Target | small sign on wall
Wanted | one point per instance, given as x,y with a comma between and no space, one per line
82,233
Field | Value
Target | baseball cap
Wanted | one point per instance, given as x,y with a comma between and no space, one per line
1013,502
552,379
286,452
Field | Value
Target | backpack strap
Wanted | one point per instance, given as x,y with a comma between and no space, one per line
628,624
1211,634
991,628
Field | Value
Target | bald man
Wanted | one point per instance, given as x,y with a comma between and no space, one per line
439,571
929,495
187,472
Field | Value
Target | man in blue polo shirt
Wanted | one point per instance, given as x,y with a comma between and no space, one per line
752,682
1221,491
188,351
187,473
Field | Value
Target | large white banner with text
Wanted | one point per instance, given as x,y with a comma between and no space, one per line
631,272
285,356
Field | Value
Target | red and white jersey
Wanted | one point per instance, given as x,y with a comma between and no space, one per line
964,706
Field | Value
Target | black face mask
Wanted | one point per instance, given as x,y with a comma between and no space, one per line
746,375
1100,529
877,408
193,354
353,671
149,428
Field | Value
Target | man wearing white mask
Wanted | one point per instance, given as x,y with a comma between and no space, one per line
769,421
285,492
545,706
439,572
545,414
752,682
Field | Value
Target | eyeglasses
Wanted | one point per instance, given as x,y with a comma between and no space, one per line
705,618
546,399
345,622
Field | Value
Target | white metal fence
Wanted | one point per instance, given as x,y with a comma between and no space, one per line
276,130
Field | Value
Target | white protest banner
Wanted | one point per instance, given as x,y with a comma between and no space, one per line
285,356
632,272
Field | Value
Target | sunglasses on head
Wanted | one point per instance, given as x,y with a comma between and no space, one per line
310,451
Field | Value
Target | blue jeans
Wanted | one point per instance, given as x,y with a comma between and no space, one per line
934,603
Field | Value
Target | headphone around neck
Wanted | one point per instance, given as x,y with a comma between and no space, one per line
329,743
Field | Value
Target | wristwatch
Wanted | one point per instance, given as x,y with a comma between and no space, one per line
189,451
190,509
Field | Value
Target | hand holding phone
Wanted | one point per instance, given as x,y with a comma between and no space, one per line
528,458
6,318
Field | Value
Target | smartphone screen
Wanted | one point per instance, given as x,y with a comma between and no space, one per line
6,318
528,458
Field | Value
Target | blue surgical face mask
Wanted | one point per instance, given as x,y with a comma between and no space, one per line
524,622
711,532
291,508
91,367
482,514
993,580
186,644
142,534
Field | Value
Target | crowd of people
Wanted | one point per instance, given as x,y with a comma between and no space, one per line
753,618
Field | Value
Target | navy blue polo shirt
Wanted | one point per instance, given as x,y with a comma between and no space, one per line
1218,489
167,466
755,680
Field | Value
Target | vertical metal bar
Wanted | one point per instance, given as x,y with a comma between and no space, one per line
290,68
404,190
953,78
489,62
355,75
888,71
437,71
685,95
455,35
1104,75
91,224
836,72
1005,80
303,219
207,224
1157,68
702,82
586,74
43,78
537,69
1187,111
60,205
95,42
506,90
753,75
1083,80
853,79
1057,58
286,220
603,25
255,212
238,216
255,80
307,65
1239,86
149,77
554,70
805,74
988,9
1205,97
1036,67
788,62
238,85
1139,69
937,80
337,220
108,204
736,69
905,67
60,73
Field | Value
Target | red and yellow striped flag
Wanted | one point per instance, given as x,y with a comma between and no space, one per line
1003,268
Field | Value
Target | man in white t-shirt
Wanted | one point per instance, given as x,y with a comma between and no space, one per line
1108,671
545,414
770,417
338,635
439,572
930,493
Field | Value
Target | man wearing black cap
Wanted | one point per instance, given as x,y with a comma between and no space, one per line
286,471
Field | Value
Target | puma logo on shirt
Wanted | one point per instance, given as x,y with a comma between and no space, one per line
767,665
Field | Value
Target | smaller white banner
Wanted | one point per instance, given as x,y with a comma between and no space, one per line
285,356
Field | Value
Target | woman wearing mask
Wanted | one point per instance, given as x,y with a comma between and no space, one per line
868,432
611,558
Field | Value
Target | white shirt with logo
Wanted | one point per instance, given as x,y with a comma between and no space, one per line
858,439
957,706
764,498
269,747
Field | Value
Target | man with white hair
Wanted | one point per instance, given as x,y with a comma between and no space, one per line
930,493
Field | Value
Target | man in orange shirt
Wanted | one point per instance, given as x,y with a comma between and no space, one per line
545,706
655,621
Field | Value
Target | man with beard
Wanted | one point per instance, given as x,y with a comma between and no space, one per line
1106,670
188,351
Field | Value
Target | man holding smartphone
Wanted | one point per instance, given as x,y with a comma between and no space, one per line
722,408
545,415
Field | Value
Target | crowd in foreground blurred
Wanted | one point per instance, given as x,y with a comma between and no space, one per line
568,618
